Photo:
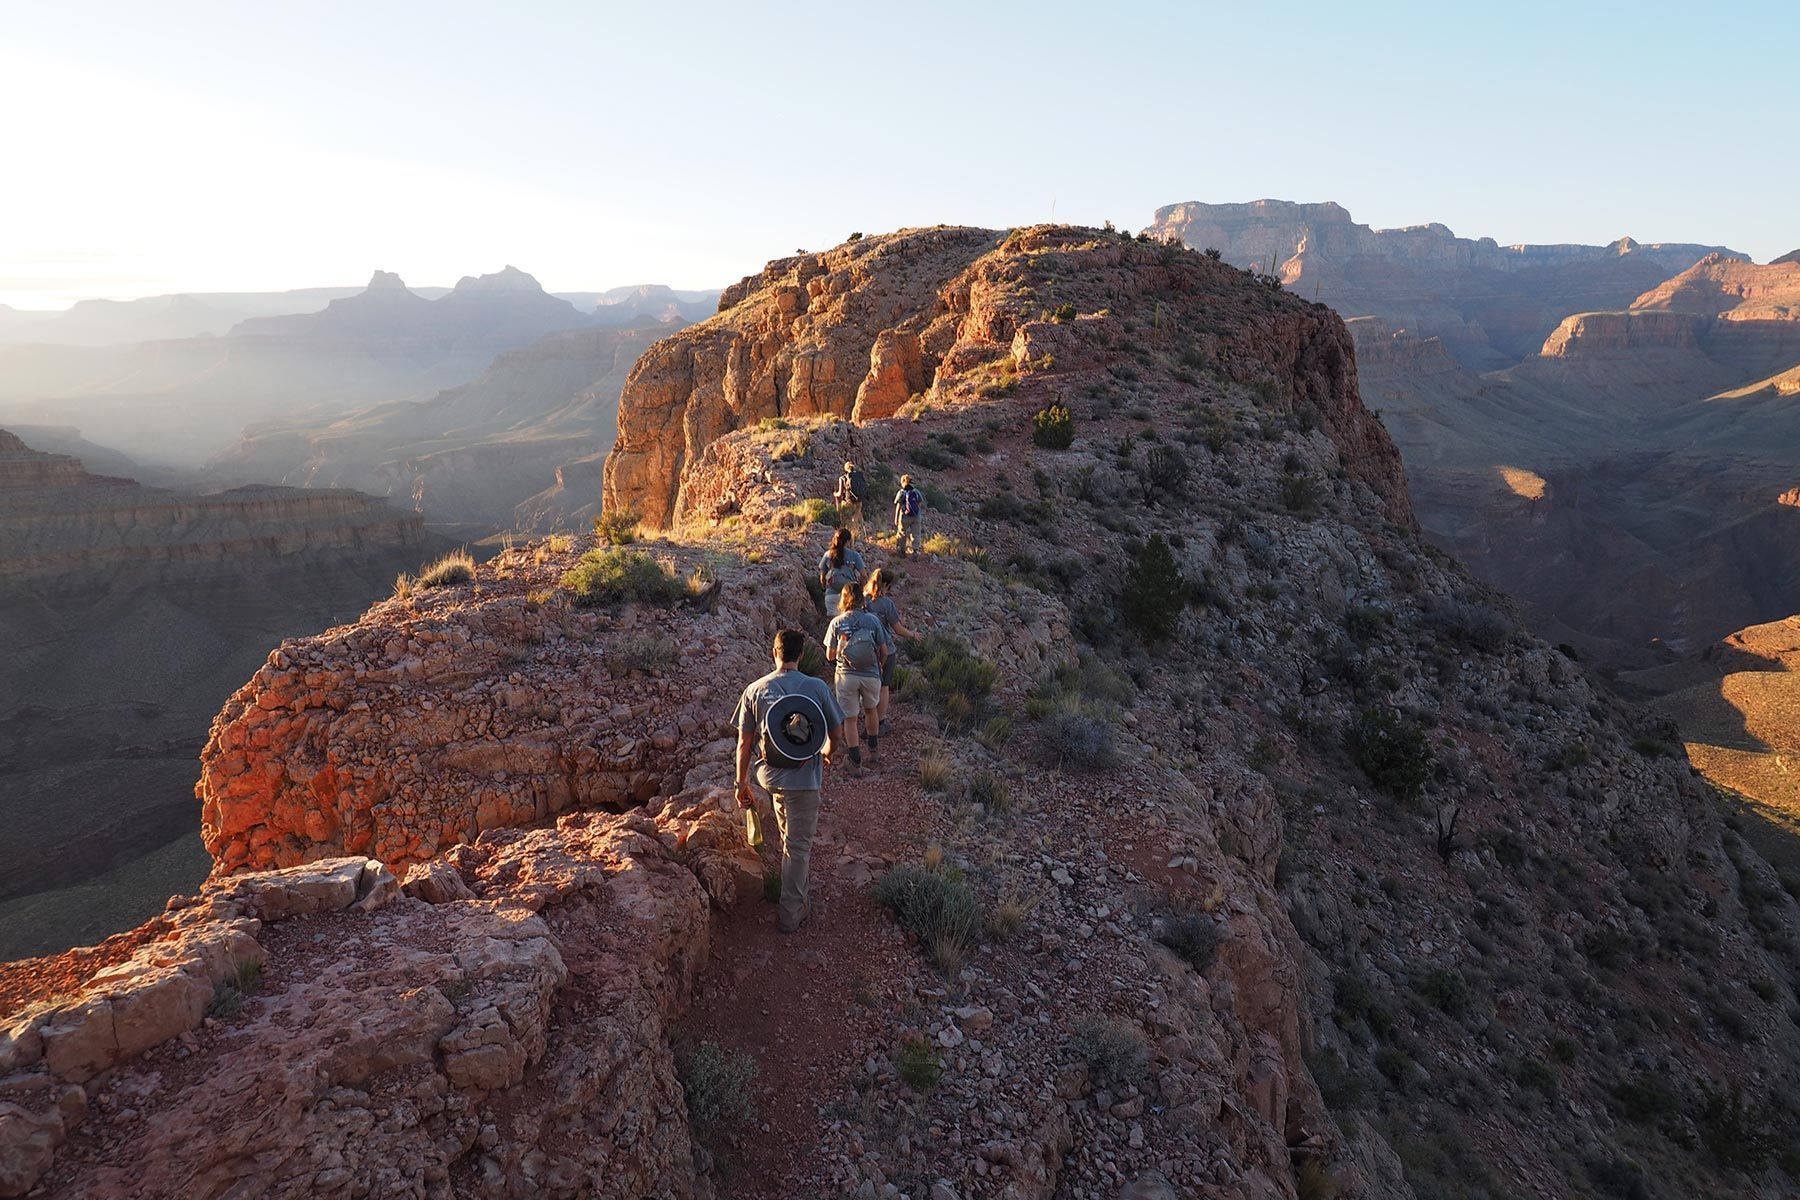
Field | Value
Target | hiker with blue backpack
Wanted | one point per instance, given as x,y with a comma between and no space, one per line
840,567
909,516
857,644
788,722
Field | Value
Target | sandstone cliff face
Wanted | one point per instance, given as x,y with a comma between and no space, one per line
853,331
1348,885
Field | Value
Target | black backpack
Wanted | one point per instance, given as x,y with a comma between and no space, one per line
858,486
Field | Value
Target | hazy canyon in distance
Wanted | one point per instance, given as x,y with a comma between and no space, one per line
1609,433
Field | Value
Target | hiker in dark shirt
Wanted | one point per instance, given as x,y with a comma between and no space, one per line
794,784
851,488
881,605
840,567
857,643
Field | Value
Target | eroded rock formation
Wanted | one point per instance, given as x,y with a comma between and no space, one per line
1348,885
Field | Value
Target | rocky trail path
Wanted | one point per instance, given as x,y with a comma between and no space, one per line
809,1007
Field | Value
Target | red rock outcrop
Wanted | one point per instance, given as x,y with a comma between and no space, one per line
855,330
506,1037
450,713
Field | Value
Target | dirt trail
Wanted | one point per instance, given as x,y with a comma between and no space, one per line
810,1007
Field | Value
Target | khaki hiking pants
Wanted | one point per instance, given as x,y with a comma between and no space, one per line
912,528
796,819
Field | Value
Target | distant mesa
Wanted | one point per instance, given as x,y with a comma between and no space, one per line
1491,304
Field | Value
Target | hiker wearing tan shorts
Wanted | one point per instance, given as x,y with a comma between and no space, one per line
857,643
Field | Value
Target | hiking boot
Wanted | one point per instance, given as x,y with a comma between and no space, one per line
781,923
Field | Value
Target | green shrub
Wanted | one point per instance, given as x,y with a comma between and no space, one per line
644,652
815,511
1447,990
1568,757
1053,428
1005,506
614,575
936,773
1365,622
1155,590
1114,1052
991,791
1392,751
1470,625
618,527
1394,1066
1164,473
717,1085
1534,1072
1193,937
1737,1132
952,678
229,994
996,733
1077,734
1062,314
1299,493
454,568
918,1063
935,905
1645,1098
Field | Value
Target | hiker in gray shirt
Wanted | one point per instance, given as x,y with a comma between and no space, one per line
793,783
857,643
880,604
840,567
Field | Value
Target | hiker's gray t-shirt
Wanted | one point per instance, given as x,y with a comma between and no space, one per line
885,610
755,703
843,625
849,571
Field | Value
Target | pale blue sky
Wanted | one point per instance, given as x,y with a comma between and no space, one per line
193,146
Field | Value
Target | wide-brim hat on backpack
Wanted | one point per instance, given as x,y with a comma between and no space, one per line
794,730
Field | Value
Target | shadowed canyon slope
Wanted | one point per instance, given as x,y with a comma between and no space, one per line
1604,432
127,612
1290,862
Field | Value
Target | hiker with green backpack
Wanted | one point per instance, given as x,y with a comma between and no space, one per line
852,486
840,567
788,722
857,644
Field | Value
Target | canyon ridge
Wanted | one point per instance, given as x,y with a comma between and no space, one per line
1241,843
